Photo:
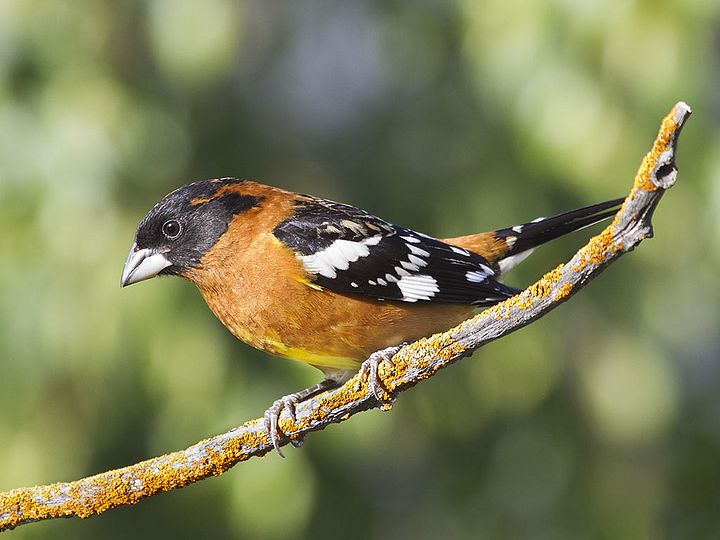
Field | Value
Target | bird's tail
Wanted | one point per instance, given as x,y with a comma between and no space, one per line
506,248
542,230
522,239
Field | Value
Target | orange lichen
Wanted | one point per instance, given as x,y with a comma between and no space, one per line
563,291
598,249
349,394
544,286
663,142
538,290
668,128
96,494
423,352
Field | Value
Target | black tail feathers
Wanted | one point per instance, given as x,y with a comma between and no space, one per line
542,230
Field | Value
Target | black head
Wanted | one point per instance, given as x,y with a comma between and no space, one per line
181,228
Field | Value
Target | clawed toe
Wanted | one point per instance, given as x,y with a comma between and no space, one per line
290,403
272,418
370,367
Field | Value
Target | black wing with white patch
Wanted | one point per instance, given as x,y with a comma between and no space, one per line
350,251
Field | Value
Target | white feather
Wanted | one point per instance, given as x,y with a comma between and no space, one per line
408,266
508,263
460,251
417,261
411,239
421,287
475,276
418,251
338,256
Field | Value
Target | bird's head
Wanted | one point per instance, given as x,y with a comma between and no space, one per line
181,228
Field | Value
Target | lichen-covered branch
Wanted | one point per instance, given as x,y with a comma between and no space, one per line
413,363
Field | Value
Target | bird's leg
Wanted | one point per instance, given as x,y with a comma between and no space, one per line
370,368
290,402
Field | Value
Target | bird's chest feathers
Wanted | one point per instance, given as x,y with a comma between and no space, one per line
250,291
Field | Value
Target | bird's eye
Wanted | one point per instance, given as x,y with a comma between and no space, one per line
171,229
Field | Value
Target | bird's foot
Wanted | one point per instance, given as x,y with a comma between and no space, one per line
370,367
289,403
272,418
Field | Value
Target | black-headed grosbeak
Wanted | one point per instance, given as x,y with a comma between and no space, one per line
323,282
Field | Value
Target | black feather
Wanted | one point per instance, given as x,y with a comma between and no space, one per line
539,232
317,224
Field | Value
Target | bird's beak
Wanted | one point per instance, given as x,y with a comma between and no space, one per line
142,264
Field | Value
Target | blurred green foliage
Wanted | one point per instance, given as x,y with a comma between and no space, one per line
600,421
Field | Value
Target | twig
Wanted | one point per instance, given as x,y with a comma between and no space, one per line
415,362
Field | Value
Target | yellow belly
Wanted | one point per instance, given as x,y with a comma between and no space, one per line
327,330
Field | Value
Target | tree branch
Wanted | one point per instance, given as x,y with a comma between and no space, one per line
412,364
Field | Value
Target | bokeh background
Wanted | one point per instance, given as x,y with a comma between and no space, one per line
600,421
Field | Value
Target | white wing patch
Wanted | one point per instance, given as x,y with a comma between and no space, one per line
460,251
417,261
411,239
418,251
407,265
420,287
477,277
508,263
337,256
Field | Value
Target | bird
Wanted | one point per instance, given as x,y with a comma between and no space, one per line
326,283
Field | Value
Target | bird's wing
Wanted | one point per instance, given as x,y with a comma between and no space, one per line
349,251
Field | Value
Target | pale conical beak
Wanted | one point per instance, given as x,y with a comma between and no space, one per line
142,264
